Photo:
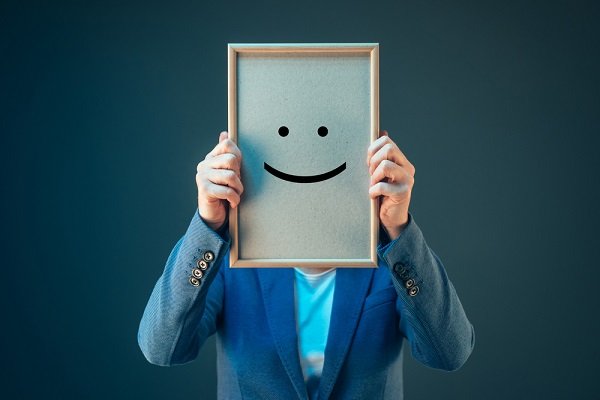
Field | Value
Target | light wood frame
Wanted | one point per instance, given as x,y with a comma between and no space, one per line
372,49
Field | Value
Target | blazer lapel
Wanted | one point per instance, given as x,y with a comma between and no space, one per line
351,287
279,296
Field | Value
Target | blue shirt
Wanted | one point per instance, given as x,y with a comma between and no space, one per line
314,298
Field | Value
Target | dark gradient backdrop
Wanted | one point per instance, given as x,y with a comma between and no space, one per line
107,108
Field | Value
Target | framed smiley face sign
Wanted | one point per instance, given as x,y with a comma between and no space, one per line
303,116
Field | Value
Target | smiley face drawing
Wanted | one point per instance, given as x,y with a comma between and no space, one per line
322,131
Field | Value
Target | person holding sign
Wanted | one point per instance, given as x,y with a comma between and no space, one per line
306,333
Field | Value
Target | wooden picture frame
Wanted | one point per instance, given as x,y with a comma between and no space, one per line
269,84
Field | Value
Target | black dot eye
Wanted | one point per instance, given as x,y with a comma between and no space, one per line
283,131
322,131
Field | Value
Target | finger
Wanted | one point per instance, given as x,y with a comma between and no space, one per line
383,140
390,190
223,135
226,146
390,170
376,145
225,177
388,151
222,193
221,161
392,153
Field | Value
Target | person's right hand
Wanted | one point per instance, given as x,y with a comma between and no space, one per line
218,180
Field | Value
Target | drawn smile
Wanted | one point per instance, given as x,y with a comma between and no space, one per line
306,178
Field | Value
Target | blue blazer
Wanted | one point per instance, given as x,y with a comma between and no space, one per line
253,314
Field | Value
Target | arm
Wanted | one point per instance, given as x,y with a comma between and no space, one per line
180,316
185,305
431,315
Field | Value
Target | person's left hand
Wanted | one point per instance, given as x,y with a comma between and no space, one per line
392,178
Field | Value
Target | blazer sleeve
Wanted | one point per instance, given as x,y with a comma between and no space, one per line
179,316
431,315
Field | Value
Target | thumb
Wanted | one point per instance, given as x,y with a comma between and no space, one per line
383,133
224,135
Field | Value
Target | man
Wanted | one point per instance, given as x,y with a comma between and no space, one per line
306,333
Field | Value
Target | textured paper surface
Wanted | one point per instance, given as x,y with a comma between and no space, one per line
283,220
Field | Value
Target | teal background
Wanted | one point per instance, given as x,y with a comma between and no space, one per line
106,108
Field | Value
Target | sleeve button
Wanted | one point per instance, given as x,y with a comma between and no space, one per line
202,264
194,281
412,292
401,270
197,273
409,283
208,256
